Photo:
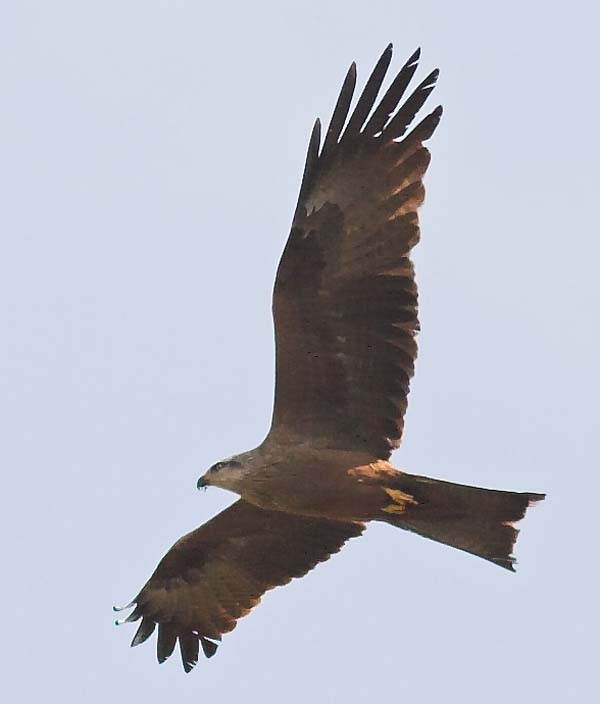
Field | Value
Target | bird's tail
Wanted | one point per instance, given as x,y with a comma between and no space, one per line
479,521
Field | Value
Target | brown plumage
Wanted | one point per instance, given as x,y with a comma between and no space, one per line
216,574
345,312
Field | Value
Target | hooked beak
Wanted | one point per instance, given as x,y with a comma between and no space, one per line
201,483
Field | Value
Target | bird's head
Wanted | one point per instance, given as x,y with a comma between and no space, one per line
227,474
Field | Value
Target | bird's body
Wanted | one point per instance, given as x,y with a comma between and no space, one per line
335,484
345,312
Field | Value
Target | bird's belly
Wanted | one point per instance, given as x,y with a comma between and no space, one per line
346,494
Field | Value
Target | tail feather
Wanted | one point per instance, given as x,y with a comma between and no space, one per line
478,521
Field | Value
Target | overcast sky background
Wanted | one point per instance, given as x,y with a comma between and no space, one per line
150,158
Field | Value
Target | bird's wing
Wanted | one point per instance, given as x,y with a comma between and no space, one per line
217,573
345,299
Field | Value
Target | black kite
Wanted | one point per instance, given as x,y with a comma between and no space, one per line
345,310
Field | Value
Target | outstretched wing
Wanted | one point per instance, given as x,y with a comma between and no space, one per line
217,573
345,299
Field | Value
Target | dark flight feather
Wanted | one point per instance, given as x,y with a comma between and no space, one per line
340,112
423,131
189,648
396,127
208,647
312,158
144,631
167,638
392,96
368,96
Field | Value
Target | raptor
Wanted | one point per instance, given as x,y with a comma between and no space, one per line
345,312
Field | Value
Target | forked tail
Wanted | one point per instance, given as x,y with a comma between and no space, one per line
479,521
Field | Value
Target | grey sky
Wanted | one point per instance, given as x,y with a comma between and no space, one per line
150,156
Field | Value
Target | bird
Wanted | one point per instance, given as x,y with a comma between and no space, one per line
345,319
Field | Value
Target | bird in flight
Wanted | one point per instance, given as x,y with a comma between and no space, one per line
345,312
